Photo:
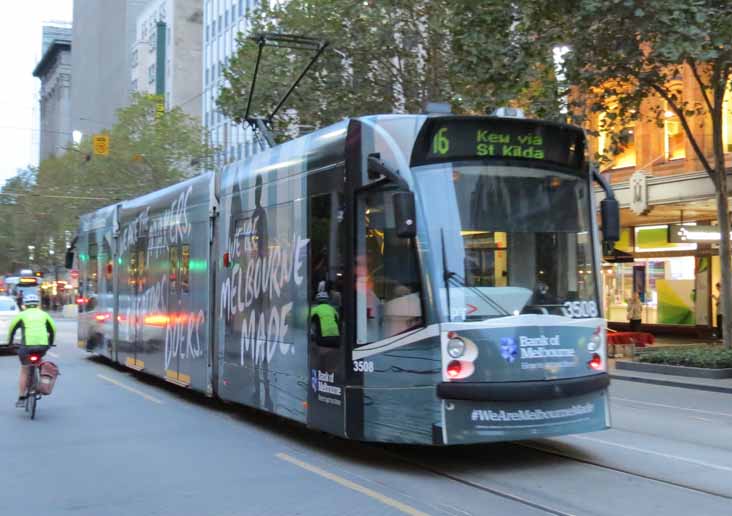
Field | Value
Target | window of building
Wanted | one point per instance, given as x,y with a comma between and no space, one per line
625,155
727,119
133,85
226,18
238,151
674,141
151,73
133,58
241,7
221,26
207,32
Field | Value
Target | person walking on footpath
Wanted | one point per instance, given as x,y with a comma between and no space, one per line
635,309
719,312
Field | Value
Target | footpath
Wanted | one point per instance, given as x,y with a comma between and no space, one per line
723,385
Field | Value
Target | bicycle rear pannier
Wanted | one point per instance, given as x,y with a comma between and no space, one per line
49,372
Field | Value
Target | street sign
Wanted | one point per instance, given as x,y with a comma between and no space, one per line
101,144
680,234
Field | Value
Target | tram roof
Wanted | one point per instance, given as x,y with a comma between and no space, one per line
322,148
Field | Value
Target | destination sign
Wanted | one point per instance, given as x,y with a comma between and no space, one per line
443,139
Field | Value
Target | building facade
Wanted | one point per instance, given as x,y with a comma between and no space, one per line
103,31
660,183
54,71
178,25
222,21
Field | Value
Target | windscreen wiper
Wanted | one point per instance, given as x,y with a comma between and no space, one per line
460,281
448,275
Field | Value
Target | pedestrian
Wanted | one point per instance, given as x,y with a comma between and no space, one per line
635,310
719,312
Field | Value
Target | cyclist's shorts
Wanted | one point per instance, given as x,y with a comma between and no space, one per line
25,351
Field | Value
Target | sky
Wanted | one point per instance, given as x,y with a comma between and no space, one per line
20,41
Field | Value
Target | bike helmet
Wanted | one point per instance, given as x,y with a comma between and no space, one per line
31,300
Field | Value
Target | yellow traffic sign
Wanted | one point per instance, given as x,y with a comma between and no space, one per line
159,109
101,144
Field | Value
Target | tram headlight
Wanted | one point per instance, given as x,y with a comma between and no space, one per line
455,348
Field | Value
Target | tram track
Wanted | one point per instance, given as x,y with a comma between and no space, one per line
546,450
540,447
547,509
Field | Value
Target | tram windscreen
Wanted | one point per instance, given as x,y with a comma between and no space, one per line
510,239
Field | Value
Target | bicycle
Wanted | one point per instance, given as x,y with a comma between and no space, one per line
31,395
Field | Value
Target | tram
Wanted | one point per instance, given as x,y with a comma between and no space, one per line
459,254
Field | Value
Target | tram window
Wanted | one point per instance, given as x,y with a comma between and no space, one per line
92,269
388,285
132,270
141,269
185,258
173,270
108,268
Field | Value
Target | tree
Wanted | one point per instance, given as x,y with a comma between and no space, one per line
149,149
626,52
392,56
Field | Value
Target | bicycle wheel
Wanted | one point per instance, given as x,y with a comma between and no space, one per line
32,401
32,394
29,389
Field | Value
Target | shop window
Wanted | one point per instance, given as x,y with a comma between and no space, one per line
674,138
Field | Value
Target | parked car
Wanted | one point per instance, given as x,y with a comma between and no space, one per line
8,310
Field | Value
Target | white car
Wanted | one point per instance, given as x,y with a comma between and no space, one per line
8,310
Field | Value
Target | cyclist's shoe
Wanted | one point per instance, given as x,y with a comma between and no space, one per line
21,402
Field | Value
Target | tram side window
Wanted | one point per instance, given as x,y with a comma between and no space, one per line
388,288
108,287
141,270
185,261
173,271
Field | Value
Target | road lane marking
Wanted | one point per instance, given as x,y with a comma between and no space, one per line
702,419
391,502
131,389
54,355
663,405
658,454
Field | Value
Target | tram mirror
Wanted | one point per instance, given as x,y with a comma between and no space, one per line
404,214
610,215
69,262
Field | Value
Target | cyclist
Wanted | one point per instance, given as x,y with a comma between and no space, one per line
38,330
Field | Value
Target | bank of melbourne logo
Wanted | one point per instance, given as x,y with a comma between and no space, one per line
314,380
509,349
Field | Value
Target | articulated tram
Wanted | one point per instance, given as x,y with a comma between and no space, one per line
460,256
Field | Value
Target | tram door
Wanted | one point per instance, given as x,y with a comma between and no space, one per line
326,347
179,315
138,277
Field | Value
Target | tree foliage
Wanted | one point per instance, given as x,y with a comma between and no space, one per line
392,56
147,150
627,61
